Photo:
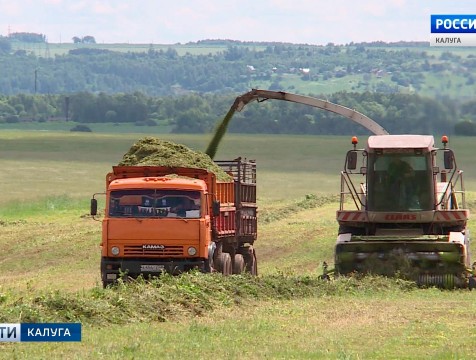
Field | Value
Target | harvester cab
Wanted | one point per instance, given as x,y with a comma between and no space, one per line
402,211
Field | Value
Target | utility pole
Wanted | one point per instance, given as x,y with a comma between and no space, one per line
36,80
66,107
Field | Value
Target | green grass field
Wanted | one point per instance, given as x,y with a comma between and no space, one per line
53,49
49,264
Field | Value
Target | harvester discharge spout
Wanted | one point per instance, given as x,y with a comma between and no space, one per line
263,95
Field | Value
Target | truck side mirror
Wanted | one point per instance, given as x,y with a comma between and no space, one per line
352,160
448,158
216,208
94,207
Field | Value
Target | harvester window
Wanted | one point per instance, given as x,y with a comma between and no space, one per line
399,183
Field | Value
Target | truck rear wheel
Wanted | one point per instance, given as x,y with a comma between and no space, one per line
472,283
225,260
254,270
239,264
251,263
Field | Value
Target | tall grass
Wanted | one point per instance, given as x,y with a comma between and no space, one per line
123,128
44,207
44,163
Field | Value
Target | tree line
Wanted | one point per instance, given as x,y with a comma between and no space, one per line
192,92
200,113
162,72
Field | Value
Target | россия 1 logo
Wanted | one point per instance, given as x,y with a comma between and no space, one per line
453,30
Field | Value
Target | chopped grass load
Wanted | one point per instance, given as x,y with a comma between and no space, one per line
150,151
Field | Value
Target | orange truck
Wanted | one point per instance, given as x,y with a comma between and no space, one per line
174,219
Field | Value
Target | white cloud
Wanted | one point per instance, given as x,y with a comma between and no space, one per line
299,21
10,8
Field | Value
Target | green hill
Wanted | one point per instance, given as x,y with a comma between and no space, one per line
234,66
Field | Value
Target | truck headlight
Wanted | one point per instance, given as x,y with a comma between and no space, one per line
192,251
115,250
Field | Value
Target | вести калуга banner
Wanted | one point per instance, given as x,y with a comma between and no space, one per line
40,332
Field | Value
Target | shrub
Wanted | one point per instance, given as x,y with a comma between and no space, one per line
151,122
465,128
11,119
81,128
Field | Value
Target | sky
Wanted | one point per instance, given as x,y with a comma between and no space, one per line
315,22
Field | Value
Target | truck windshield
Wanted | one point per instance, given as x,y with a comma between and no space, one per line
153,203
399,182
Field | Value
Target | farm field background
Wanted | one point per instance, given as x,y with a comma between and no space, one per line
49,258
451,83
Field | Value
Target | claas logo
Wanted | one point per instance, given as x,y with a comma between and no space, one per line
410,217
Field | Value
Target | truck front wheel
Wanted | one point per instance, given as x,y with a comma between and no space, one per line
105,282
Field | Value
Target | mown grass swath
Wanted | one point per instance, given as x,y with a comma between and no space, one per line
168,297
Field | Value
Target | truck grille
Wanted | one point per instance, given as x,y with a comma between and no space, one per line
134,250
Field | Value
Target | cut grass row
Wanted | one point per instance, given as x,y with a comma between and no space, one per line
174,297
275,317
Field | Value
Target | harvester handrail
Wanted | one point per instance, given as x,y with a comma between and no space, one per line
456,176
462,189
352,191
